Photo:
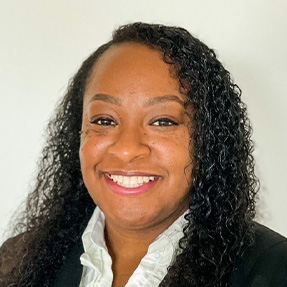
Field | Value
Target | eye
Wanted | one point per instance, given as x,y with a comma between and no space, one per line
102,121
164,122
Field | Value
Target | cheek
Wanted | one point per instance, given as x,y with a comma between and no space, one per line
176,153
91,149
175,149
90,153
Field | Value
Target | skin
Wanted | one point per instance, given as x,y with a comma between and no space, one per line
135,122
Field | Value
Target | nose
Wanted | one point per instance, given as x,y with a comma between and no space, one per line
130,144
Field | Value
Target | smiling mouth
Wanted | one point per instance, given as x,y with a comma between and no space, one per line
131,181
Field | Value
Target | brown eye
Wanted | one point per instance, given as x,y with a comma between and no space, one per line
164,122
103,122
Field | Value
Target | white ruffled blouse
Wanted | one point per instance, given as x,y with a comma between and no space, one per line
97,263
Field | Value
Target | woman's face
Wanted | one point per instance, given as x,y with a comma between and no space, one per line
135,144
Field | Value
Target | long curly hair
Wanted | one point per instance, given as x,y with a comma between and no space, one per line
222,194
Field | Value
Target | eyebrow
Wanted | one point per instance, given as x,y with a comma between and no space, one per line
150,102
161,99
106,98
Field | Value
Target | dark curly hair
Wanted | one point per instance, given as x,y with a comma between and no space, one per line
224,187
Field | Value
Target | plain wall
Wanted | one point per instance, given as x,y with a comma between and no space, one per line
44,42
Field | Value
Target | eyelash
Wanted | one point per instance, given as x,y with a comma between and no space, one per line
103,122
162,122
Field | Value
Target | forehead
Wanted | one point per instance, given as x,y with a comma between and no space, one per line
132,68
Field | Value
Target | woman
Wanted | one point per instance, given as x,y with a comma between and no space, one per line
164,153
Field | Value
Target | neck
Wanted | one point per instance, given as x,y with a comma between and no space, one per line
126,251
127,244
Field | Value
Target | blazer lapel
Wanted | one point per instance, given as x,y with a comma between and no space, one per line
71,271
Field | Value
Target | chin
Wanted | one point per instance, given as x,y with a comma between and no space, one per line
132,218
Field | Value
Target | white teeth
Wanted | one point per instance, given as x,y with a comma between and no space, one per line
131,181
146,179
126,181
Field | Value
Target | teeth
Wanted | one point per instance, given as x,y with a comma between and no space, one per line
131,181
145,179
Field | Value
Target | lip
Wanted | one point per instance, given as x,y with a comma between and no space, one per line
121,190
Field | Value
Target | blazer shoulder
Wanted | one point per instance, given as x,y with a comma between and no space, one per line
265,238
265,262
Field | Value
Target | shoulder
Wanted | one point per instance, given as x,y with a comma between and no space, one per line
264,263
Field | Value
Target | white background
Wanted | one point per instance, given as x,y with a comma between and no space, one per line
43,42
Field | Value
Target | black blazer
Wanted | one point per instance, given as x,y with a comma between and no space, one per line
262,265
